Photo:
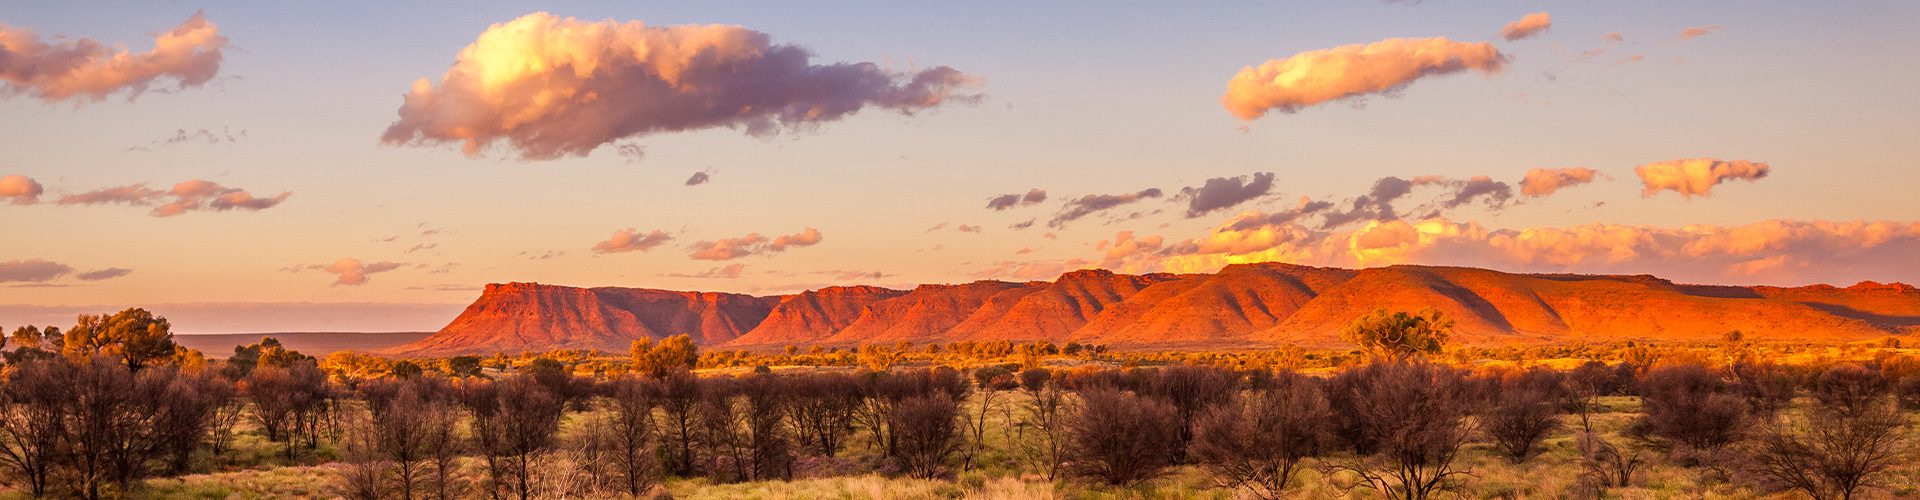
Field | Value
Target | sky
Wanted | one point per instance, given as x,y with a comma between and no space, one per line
261,167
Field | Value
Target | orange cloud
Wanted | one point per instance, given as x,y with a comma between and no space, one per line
630,240
1352,71
1541,182
1125,251
87,69
752,244
1772,251
1526,26
1696,176
21,189
549,86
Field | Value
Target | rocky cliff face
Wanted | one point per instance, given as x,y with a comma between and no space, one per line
1242,305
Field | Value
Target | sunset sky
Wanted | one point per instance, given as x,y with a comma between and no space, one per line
257,166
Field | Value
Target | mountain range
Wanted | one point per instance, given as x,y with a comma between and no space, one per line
1241,306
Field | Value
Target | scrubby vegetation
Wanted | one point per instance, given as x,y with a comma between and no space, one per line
111,408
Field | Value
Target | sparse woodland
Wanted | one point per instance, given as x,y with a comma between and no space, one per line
111,408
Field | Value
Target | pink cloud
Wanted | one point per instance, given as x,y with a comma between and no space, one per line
1352,71
1693,32
351,271
87,69
549,86
753,244
192,195
630,240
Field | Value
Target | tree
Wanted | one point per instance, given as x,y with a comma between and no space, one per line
823,410
349,368
1259,441
1190,390
1399,334
1044,406
672,353
134,336
33,415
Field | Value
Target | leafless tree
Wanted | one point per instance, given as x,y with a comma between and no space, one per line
926,432
1523,411
1852,439
1119,437
1687,405
1412,416
32,421
633,432
1044,415
1190,390
1259,441
823,411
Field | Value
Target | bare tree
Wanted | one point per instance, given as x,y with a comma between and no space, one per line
1413,416
926,431
1259,441
633,432
1523,411
1851,440
1045,404
824,408
1190,390
1687,405
32,421
1121,438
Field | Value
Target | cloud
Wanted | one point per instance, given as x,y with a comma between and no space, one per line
20,189
1221,193
1696,176
32,271
549,87
83,68
964,228
728,271
1305,208
1095,203
701,177
629,240
1125,250
1021,225
1693,32
1541,182
192,195
1352,71
1031,271
1494,194
1377,204
1770,251
1527,26
182,136
1033,197
752,244
1613,37
805,238
103,274
350,271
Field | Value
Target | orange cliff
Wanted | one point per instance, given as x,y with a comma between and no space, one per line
1244,305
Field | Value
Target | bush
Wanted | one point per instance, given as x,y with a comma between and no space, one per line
1121,438
1851,440
1851,389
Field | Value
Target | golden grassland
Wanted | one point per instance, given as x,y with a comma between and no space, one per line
255,469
